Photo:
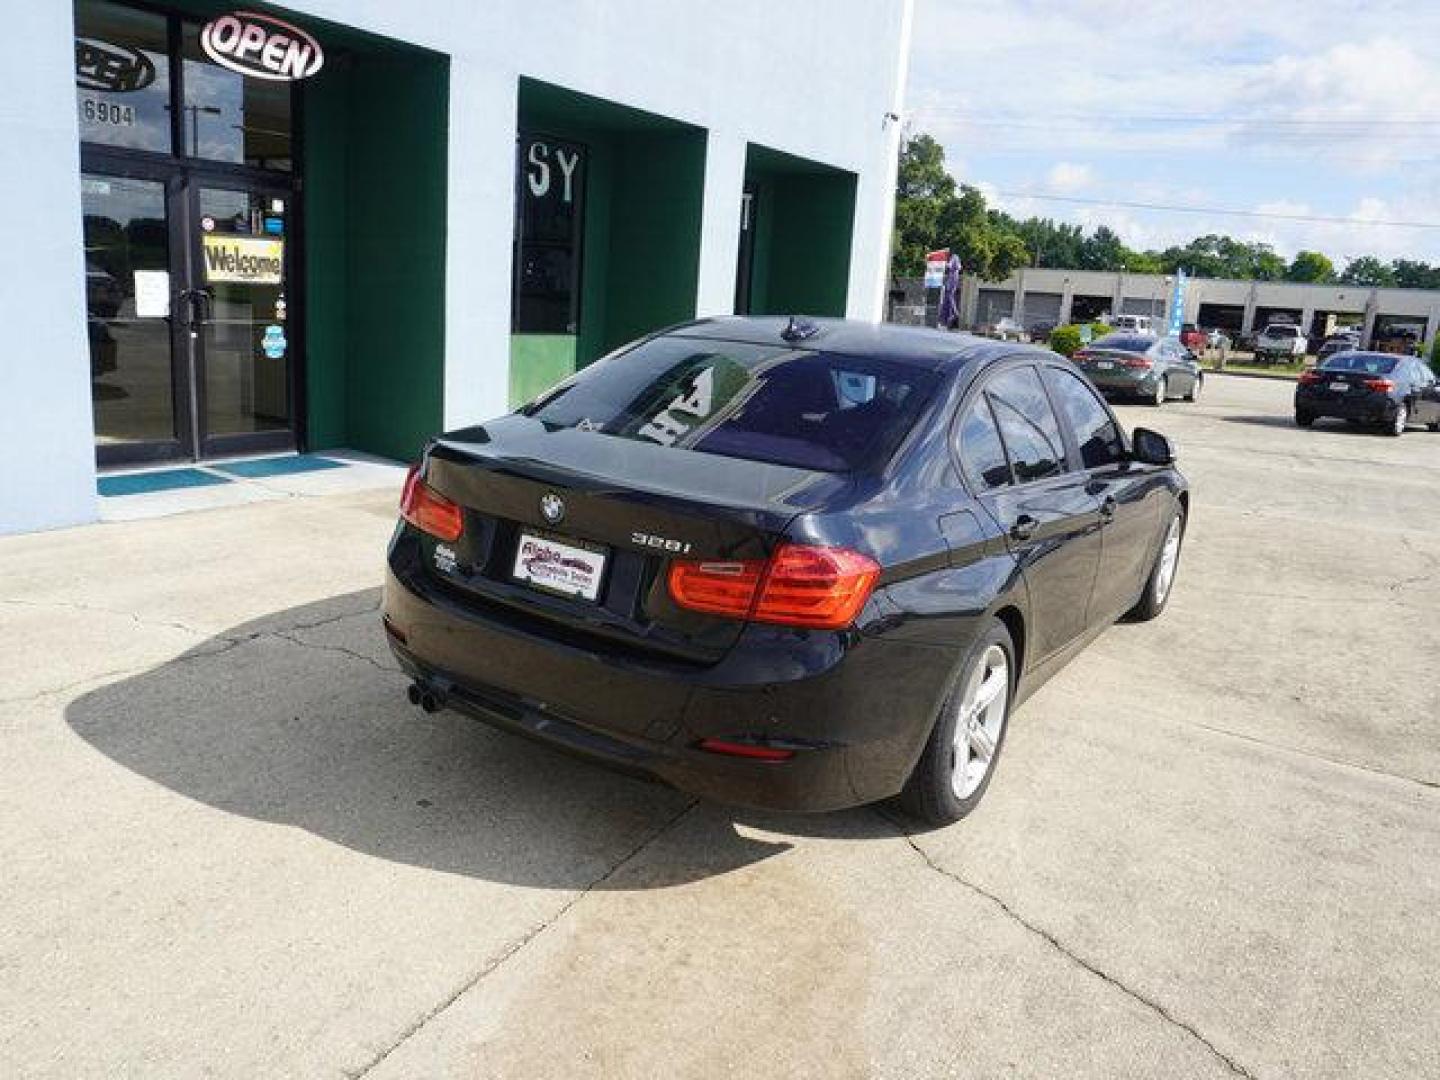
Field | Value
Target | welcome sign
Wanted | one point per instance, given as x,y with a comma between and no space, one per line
243,260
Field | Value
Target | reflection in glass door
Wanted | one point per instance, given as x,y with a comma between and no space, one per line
127,301
244,347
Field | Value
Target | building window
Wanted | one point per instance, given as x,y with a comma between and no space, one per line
229,117
548,231
122,77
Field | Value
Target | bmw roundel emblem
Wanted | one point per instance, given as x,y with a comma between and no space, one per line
552,508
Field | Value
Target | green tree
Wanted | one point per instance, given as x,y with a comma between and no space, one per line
1367,270
1413,274
923,191
1310,267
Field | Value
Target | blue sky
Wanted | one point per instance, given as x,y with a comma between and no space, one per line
1318,108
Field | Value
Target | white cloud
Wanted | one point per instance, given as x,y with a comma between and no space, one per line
1065,177
1063,99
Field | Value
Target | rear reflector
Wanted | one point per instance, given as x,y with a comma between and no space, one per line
754,751
800,585
428,510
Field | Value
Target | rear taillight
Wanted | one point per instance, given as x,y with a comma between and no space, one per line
428,510
1080,356
1383,386
800,585
1135,362
1310,378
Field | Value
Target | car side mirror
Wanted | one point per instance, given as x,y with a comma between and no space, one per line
1151,448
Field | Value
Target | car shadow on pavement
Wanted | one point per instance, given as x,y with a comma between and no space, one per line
300,719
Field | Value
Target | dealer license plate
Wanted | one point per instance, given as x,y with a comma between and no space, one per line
1341,386
564,568
1105,365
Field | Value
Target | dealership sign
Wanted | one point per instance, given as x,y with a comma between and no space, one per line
245,260
261,46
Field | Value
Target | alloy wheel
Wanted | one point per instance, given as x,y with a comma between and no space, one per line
980,722
1169,560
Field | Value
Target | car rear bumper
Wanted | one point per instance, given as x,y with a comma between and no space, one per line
855,710
1123,381
1366,408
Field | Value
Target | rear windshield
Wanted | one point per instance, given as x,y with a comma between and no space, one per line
811,410
1369,363
1281,331
1125,342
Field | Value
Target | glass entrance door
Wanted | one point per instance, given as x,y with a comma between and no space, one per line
128,291
191,351
240,327
188,174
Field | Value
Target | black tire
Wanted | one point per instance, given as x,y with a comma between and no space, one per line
1434,426
1195,388
929,794
1157,589
1303,418
1396,427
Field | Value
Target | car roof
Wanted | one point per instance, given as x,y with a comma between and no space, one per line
922,346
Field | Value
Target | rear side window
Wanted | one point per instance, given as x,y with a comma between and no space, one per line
1095,429
772,403
981,453
1028,427
1369,363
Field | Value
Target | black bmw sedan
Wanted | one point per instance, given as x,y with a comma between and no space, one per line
794,565
1381,390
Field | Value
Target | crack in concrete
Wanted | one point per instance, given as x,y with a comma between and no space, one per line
338,649
91,609
490,967
1314,755
223,644
1235,1067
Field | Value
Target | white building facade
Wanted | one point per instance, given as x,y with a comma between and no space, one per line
464,203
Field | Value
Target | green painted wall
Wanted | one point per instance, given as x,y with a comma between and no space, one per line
375,161
657,201
538,362
804,229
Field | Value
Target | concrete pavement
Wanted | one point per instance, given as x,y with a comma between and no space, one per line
1212,849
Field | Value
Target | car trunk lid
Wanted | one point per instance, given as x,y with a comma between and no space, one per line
620,509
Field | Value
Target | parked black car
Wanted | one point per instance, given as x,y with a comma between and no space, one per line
801,565
1154,369
1381,389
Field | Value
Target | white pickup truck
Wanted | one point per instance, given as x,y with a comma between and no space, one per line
1280,343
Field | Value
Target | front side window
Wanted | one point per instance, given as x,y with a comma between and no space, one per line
1027,424
1095,429
758,402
